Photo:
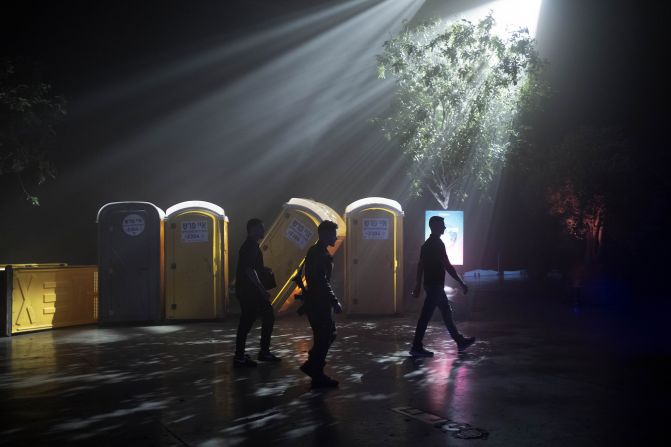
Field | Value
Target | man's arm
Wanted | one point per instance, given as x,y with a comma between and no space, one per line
249,263
322,278
254,278
449,268
317,277
418,280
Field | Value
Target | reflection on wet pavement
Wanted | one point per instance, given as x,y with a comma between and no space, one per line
535,377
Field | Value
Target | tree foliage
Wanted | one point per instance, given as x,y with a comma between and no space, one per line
28,115
587,178
459,89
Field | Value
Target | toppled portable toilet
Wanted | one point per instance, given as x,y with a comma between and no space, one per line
45,296
130,262
287,242
374,257
196,253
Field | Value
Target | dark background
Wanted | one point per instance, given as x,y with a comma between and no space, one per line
249,103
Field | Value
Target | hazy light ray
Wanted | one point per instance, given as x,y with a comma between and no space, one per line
134,143
276,100
214,52
481,214
312,81
509,15
255,102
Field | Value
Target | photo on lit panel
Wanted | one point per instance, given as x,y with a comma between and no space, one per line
453,238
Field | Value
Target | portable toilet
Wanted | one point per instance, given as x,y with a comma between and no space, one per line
288,240
374,257
47,296
130,262
196,252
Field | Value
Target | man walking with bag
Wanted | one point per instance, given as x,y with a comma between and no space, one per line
253,297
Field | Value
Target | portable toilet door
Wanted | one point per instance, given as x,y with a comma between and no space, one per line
196,251
287,241
130,262
374,257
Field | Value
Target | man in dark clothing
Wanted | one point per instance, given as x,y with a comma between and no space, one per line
433,263
320,304
253,297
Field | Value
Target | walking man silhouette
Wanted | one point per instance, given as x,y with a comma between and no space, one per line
320,304
433,263
253,297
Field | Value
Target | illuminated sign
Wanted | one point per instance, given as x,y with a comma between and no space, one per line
298,233
194,231
376,228
453,238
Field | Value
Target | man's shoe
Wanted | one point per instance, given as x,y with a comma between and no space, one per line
324,381
420,352
268,356
309,370
464,343
243,362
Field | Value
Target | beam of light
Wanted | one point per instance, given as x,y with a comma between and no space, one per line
509,15
298,121
206,57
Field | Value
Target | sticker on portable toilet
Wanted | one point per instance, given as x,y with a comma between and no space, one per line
194,231
133,224
298,233
375,228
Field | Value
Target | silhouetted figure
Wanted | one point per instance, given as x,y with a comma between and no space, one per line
320,304
253,297
433,263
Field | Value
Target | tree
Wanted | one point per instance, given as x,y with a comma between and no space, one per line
458,93
28,115
587,176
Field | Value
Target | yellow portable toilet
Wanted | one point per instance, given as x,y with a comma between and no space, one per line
374,257
288,240
196,254
46,296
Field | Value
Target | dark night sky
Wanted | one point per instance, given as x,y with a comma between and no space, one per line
604,71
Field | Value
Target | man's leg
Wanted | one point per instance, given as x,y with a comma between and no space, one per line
323,327
268,321
247,317
321,332
443,305
424,318
446,311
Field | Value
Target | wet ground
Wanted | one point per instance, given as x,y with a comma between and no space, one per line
543,372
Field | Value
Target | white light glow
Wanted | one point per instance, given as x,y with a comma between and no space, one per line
509,15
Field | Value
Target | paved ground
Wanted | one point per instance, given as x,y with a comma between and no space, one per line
543,373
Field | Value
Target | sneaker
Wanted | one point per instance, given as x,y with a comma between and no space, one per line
420,352
309,370
267,356
464,343
324,381
243,362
